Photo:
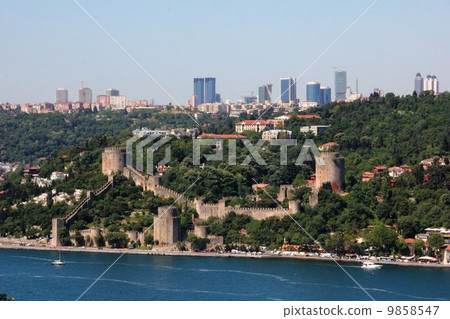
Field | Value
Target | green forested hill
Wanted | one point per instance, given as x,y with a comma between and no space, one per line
391,130
26,137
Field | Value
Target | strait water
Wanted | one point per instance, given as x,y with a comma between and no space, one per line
28,275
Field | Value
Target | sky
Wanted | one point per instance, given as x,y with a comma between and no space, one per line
49,44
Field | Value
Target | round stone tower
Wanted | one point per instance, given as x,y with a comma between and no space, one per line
113,160
332,171
167,227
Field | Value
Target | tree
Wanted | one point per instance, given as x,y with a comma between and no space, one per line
4,297
435,241
117,239
99,240
79,239
418,246
197,243
382,239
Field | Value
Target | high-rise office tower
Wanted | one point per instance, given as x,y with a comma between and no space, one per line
210,90
428,83
288,90
325,95
112,92
218,98
340,84
418,84
62,95
265,94
199,91
431,83
435,84
85,95
312,91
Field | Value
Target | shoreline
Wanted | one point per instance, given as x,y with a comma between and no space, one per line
214,255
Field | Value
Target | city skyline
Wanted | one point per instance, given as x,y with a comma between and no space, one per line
387,63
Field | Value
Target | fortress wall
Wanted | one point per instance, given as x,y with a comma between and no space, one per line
260,213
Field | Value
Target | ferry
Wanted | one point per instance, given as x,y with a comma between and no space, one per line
370,265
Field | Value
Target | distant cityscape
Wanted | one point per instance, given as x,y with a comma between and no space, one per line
206,99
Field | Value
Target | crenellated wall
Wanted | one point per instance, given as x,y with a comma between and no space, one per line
152,183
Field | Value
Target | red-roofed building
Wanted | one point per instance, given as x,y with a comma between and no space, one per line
308,116
396,171
252,125
259,186
410,242
378,169
222,136
327,146
367,176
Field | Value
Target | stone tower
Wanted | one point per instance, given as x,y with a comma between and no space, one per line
113,160
332,173
167,226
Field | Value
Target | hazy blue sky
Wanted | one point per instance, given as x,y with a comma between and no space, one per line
48,44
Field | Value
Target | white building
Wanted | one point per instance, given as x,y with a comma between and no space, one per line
315,129
431,83
118,102
276,134
304,105
58,176
252,125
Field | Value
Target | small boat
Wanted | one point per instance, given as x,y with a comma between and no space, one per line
58,262
370,265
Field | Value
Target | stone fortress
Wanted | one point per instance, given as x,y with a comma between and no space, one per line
167,226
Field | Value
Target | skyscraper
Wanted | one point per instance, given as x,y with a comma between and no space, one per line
85,95
265,94
288,91
199,91
62,95
431,83
210,90
340,84
324,95
435,84
418,84
112,92
312,91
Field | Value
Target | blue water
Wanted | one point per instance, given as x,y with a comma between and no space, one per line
28,275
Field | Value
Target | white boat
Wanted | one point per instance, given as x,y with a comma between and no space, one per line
58,262
370,265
